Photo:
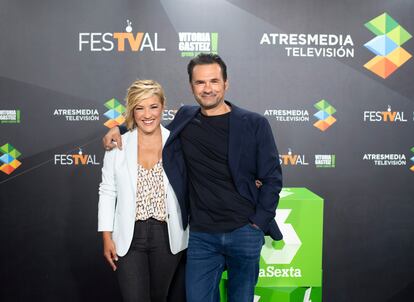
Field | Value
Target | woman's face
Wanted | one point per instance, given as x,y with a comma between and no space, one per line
147,114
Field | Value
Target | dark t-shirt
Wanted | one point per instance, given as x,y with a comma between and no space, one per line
215,204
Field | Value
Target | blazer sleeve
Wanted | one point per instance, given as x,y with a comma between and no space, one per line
269,172
107,193
122,129
177,119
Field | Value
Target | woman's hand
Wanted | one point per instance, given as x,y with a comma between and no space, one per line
109,249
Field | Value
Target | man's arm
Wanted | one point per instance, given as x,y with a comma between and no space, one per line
269,173
113,138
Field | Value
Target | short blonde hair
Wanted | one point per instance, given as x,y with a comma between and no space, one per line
137,92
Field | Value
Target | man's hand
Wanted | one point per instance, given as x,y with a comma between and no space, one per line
112,139
255,226
258,183
109,249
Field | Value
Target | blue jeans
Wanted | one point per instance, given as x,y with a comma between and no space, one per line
209,254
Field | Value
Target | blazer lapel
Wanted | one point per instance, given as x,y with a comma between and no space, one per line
131,153
236,134
176,126
165,133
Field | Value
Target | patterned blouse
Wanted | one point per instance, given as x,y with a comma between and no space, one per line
150,193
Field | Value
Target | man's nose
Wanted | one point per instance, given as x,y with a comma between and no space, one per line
207,87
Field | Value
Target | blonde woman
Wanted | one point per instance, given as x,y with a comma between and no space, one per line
142,200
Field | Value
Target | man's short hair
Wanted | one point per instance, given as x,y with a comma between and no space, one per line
205,59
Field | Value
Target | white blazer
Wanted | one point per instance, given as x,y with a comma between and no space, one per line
117,197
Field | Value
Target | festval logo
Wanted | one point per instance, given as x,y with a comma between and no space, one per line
115,113
119,41
412,159
324,115
9,159
291,159
387,116
386,45
169,114
77,159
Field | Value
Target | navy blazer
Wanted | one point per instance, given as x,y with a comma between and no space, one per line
174,166
252,154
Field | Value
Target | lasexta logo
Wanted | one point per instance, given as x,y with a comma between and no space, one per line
291,241
386,45
297,259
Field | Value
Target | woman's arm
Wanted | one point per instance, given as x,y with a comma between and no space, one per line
106,207
109,249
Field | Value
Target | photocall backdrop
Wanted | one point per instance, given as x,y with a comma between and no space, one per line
334,79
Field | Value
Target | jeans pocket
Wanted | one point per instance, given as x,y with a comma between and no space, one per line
257,229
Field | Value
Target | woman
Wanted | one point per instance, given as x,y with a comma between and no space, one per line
139,214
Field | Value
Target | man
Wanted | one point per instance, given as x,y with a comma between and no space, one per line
226,149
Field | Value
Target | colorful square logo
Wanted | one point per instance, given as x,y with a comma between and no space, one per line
324,115
9,158
386,45
115,113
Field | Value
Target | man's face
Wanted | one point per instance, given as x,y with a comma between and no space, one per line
208,85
